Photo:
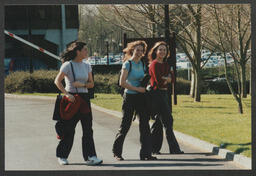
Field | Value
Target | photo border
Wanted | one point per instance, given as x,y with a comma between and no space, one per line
128,172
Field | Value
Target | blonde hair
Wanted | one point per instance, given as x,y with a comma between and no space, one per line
130,48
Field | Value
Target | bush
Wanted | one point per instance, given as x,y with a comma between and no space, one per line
208,73
18,82
106,83
182,86
42,81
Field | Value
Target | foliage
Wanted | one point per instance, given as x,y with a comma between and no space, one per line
42,81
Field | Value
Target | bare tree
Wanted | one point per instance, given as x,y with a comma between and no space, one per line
193,25
230,38
186,21
235,23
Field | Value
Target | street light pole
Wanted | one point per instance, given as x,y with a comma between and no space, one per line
107,52
90,46
120,47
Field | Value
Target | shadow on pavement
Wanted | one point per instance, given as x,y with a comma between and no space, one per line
160,165
238,150
154,164
206,154
196,160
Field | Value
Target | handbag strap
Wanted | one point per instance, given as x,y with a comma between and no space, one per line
73,74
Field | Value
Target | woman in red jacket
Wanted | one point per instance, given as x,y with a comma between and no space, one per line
159,71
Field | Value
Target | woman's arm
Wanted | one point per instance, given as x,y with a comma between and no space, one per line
123,83
90,83
60,86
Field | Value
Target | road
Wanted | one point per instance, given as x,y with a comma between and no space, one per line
30,143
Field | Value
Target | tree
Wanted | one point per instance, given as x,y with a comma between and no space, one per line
192,26
95,30
230,38
234,21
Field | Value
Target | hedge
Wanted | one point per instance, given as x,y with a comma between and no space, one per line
42,81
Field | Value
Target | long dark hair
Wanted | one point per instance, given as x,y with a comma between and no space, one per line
152,52
130,48
70,52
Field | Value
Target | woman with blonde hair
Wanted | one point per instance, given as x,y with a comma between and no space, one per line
132,73
159,71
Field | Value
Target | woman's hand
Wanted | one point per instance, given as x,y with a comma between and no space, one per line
70,97
167,79
141,89
77,84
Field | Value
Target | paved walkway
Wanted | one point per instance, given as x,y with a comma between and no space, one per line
30,143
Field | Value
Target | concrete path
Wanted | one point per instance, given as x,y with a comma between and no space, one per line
30,143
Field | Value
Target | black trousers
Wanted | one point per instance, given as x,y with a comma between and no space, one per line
65,145
157,134
132,103
157,127
163,119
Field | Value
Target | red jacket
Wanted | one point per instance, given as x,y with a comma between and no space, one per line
157,71
69,109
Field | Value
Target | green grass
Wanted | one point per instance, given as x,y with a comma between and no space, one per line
39,94
215,119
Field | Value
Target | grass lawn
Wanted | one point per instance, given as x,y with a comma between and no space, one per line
215,119
39,94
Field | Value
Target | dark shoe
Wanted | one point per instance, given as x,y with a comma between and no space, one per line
118,157
148,158
178,152
156,153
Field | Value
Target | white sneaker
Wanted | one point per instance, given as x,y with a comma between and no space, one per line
63,161
94,161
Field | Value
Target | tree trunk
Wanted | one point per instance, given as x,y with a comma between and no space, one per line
192,84
243,81
197,97
237,97
240,106
250,87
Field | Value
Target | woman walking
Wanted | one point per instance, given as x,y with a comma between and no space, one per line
133,100
78,78
159,71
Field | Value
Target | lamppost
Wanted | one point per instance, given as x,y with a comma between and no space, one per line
113,45
120,47
107,45
90,46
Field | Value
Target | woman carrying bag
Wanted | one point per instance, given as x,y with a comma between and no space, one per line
159,71
133,100
78,78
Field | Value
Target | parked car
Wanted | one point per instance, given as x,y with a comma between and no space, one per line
219,79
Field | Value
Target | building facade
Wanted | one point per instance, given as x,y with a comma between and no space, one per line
50,27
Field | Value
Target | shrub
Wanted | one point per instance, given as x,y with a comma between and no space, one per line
182,86
18,82
106,83
42,81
